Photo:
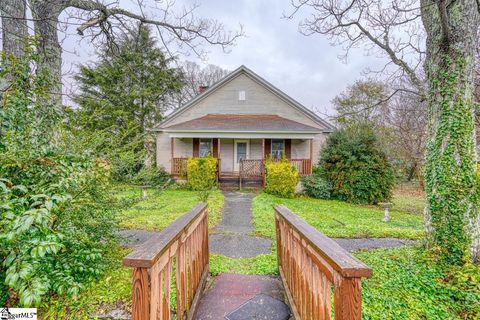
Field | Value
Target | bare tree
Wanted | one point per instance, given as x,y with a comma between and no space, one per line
406,119
363,102
195,77
452,215
176,28
390,28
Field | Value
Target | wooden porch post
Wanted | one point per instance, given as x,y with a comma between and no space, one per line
311,157
263,162
172,153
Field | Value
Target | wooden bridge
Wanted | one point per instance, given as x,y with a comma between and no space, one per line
310,265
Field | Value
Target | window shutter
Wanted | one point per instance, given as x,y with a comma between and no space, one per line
268,147
288,148
196,147
215,148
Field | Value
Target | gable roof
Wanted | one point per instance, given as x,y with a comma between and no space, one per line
242,123
243,69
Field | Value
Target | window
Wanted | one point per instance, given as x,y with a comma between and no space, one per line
241,151
205,147
241,95
278,148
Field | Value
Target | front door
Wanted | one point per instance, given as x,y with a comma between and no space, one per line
241,151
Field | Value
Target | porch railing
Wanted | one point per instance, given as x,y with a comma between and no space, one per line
185,241
179,167
310,264
304,166
249,168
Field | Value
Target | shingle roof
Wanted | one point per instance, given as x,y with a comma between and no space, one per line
242,122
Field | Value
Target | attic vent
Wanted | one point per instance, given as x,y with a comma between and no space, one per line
241,95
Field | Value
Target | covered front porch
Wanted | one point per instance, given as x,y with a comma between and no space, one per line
242,157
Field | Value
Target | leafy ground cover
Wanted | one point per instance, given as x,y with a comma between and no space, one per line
337,218
113,289
408,284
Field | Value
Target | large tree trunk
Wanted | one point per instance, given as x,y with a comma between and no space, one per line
14,26
45,14
450,172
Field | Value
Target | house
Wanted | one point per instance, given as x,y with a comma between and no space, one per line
241,120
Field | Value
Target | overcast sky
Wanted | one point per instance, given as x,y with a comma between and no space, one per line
306,68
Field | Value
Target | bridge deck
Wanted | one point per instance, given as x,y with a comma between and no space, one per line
235,296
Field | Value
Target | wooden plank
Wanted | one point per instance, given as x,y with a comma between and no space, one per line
140,294
291,301
181,283
341,261
348,299
149,252
198,294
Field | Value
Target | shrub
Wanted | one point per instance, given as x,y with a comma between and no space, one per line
56,210
153,176
356,167
281,179
316,186
202,173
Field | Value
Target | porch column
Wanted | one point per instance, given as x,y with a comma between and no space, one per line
172,153
311,157
263,148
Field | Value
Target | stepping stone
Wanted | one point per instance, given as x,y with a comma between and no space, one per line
263,307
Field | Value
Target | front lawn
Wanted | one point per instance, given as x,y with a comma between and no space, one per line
161,208
337,219
406,283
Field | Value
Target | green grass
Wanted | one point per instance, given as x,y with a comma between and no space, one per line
336,218
161,208
264,264
407,284
409,203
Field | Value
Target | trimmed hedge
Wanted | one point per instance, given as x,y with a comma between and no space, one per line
202,173
281,178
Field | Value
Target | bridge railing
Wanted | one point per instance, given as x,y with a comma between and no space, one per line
182,246
311,264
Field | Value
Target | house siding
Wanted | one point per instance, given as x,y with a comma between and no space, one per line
259,100
224,100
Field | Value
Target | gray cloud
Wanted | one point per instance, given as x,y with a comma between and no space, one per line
306,68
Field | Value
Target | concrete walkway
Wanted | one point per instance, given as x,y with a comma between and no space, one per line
230,237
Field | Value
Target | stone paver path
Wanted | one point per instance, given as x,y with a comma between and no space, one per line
230,238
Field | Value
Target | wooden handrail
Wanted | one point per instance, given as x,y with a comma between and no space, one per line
310,264
186,240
